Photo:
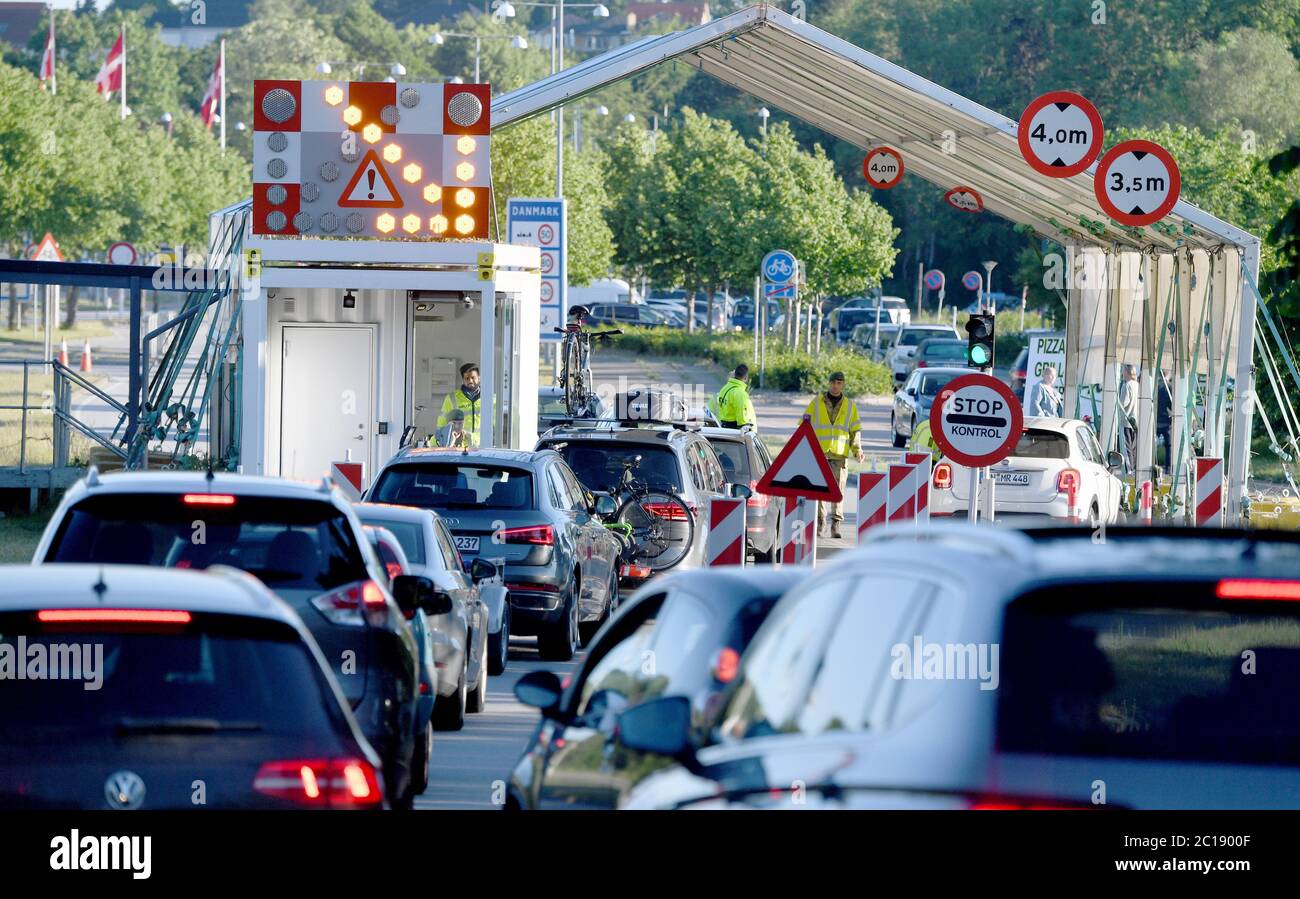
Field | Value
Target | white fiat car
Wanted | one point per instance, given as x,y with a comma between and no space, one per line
1034,481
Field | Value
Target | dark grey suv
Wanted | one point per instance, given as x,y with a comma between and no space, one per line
528,510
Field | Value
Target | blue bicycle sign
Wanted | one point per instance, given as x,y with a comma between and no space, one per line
779,266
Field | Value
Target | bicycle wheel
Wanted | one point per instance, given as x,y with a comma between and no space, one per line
573,386
662,529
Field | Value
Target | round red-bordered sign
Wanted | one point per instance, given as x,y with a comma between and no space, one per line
1138,175
1060,134
976,387
967,199
883,160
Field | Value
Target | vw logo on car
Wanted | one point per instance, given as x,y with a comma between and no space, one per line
779,266
124,790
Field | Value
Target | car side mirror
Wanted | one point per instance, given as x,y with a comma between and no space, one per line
540,690
661,726
414,593
481,569
739,491
606,506
1114,459
911,391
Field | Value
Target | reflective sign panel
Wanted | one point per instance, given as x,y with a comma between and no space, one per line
386,160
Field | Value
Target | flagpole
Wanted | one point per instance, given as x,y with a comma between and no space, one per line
54,81
123,97
223,95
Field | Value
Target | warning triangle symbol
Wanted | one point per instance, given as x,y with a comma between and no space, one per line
370,186
800,469
1058,162
1137,210
1063,106
1139,154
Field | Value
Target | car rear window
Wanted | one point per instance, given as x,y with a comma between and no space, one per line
734,456
446,485
218,675
1195,680
912,338
599,464
1039,444
931,384
955,350
408,533
287,543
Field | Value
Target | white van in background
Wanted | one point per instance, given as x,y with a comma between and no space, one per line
604,290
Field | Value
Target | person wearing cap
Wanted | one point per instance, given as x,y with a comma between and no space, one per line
453,434
464,398
835,421
732,404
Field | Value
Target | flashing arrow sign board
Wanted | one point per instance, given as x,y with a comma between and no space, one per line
800,469
1060,134
976,420
883,168
1137,183
967,199
934,279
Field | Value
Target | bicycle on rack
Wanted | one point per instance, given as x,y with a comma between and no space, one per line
657,527
575,360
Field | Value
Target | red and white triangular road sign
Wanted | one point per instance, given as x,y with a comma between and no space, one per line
800,469
370,186
47,250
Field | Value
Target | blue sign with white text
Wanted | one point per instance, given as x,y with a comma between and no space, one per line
541,223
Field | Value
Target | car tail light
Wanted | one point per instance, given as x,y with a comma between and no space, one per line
393,569
1068,479
921,364
637,571
355,605
1288,591
539,535
113,616
726,664
756,500
326,783
942,479
666,511
997,803
208,499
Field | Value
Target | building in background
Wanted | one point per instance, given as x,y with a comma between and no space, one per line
19,21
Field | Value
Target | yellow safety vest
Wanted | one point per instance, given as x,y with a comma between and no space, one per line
922,440
834,435
732,403
472,409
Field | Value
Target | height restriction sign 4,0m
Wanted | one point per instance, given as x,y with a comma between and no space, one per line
1060,134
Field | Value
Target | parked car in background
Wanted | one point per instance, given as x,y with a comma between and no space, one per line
527,510
207,677
909,338
1118,680
603,290
875,345
551,409
1019,373
614,314
1033,483
938,351
743,317
695,625
303,541
745,460
913,400
842,322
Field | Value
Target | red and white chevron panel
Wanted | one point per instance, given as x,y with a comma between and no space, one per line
1209,492
799,532
725,544
350,477
900,509
371,159
924,463
873,495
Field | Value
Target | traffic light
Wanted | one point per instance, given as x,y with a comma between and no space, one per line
979,346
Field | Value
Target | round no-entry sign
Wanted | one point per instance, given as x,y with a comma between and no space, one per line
883,168
1060,134
1137,183
976,420
972,281
934,279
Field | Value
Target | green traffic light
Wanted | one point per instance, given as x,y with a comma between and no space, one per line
979,355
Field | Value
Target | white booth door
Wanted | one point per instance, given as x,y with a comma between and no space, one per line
327,390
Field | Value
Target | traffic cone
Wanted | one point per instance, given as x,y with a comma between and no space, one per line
86,364
63,354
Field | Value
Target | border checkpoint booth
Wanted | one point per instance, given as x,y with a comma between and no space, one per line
350,344
1179,295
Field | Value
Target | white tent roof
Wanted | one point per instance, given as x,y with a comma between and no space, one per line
865,100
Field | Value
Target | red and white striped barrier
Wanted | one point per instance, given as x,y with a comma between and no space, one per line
1209,492
1145,502
725,544
901,504
924,463
799,532
873,496
350,477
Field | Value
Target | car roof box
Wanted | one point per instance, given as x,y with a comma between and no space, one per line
649,407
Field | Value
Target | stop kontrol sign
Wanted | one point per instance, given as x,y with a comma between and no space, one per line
976,420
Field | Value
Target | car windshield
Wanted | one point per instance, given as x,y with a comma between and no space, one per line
912,338
287,543
446,485
599,464
932,383
1039,444
219,675
734,456
409,534
944,350
1137,679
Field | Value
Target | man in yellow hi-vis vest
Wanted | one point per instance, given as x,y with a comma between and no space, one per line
835,421
465,398
732,404
922,440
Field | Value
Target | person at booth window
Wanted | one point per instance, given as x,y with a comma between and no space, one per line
1044,399
465,398
454,434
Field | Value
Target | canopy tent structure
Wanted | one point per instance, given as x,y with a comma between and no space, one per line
1173,295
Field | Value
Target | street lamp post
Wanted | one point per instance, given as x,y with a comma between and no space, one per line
763,115
988,283
438,38
166,121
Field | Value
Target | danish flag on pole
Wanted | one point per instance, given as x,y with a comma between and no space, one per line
47,58
212,96
111,72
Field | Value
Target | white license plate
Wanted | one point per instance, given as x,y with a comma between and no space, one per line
467,544
1011,478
